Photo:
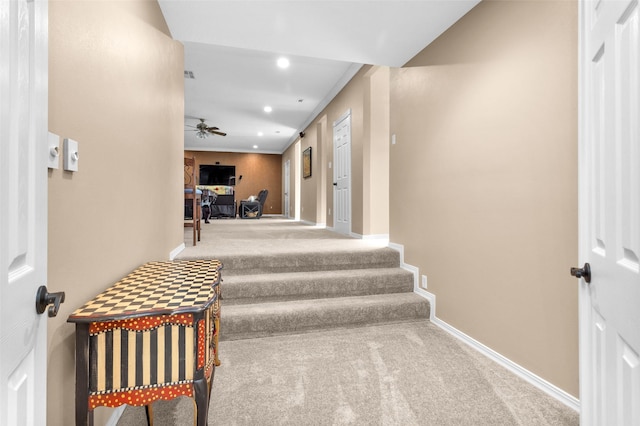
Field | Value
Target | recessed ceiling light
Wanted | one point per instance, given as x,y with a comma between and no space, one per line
260,133
255,147
283,63
268,109
277,131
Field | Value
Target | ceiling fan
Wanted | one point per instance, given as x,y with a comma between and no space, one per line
202,130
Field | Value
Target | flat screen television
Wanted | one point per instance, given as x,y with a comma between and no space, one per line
216,174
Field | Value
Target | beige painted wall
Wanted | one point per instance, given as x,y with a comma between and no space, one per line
484,179
366,95
309,185
351,97
375,161
115,86
324,177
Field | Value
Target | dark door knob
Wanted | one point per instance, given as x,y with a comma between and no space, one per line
584,272
44,299
335,183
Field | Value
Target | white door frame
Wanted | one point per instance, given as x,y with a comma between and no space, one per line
342,166
287,186
23,210
297,179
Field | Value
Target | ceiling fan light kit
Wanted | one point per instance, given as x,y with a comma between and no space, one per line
203,131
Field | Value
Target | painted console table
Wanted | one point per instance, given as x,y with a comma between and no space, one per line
153,335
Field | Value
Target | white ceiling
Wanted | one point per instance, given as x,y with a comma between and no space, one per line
232,46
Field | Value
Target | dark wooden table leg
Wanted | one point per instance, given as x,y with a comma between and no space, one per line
200,387
148,410
83,416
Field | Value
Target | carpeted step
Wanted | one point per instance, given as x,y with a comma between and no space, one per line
262,288
266,319
380,257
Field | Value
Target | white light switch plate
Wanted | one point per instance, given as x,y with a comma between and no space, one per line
54,151
71,155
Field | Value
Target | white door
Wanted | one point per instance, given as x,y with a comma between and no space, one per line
23,210
610,212
342,174
287,184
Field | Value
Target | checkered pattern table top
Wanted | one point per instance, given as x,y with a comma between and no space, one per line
155,288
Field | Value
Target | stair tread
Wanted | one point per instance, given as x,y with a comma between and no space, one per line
302,316
325,304
259,288
252,263
282,276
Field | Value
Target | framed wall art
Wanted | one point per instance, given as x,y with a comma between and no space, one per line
306,163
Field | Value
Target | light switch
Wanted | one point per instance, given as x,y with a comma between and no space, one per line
71,155
54,151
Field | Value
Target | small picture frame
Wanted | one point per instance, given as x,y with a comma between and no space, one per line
306,163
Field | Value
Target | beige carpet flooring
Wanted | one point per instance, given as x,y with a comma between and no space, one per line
227,238
410,373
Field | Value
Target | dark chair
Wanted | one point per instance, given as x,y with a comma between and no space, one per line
262,197
253,209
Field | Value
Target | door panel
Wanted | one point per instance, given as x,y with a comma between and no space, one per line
609,172
628,184
23,210
342,174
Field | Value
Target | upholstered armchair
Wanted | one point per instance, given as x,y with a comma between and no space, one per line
253,208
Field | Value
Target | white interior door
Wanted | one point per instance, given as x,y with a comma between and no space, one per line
23,210
342,174
610,212
287,185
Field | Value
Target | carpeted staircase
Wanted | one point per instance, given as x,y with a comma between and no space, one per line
405,372
272,294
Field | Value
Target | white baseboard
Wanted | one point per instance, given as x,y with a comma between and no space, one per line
176,251
537,381
117,413
432,302
377,239
381,238
414,270
314,224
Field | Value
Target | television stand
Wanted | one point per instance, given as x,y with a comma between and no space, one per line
224,206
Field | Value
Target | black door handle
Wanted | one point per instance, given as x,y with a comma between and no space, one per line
44,299
335,183
584,272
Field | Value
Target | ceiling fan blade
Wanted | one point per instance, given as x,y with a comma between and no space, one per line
203,129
